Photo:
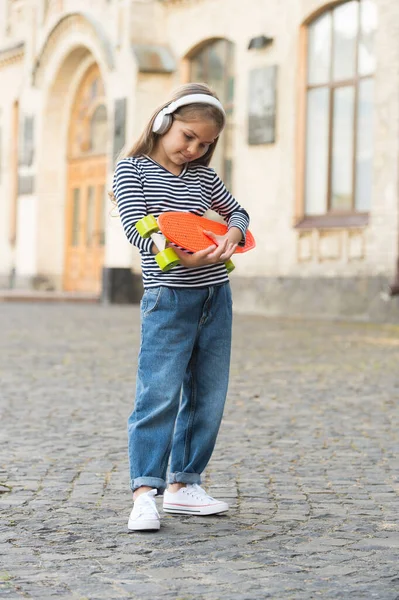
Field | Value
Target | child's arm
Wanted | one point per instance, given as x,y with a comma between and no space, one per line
225,245
128,191
227,206
234,235
218,253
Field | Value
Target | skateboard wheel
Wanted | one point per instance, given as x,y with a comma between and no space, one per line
167,259
146,226
230,266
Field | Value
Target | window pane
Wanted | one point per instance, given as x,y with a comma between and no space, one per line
94,89
98,130
345,26
90,215
364,145
197,68
229,73
316,176
75,217
342,153
368,26
216,68
217,61
319,52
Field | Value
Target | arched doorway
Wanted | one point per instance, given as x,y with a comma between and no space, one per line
86,186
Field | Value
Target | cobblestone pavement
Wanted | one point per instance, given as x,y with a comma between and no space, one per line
307,457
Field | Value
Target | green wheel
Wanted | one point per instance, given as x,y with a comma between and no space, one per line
230,266
146,226
167,259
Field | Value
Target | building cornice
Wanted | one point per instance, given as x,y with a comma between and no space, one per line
12,54
154,58
75,22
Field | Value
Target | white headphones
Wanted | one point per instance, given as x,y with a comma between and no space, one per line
163,120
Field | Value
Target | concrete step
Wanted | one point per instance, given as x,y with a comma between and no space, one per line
16,295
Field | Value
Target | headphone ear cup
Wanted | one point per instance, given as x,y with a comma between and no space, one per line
162,123
157,122
165,125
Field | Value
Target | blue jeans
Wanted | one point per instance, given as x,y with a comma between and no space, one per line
182,381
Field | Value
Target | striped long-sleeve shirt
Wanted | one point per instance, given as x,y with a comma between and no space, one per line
142,187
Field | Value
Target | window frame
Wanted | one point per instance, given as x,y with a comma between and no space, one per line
331,218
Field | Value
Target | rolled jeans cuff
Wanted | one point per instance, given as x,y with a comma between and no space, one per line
184,478
153,482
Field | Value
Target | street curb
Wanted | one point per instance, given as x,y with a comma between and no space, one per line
53,296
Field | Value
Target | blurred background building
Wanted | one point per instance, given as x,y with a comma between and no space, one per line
311,148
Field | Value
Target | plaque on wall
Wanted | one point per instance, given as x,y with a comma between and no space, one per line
262,105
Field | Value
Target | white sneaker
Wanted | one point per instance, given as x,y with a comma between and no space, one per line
144,514
192,500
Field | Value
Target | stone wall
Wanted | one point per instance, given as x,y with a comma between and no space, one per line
327,261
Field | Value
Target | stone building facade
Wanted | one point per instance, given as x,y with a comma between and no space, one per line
311,148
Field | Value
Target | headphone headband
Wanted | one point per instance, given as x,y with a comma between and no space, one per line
194,99
163,119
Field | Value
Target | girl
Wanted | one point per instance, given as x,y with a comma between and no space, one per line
186,313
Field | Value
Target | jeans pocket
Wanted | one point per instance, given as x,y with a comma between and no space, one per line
150,300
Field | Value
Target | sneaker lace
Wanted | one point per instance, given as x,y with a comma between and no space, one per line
197,491
147,505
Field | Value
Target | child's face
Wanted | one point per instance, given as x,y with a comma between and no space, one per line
188,140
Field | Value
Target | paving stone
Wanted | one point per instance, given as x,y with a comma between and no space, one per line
306,457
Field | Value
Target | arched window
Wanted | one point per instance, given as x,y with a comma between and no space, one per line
213,65
98,130
339,110
88,133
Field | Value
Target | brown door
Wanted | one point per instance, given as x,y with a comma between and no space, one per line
86,187
85,225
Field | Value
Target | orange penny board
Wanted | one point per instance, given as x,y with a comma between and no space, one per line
187,231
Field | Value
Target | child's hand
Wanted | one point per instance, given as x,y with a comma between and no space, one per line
221,252
218,239
233,235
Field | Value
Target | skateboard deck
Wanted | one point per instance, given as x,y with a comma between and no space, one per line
187,231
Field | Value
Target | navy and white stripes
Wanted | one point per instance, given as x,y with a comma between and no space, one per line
142,187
